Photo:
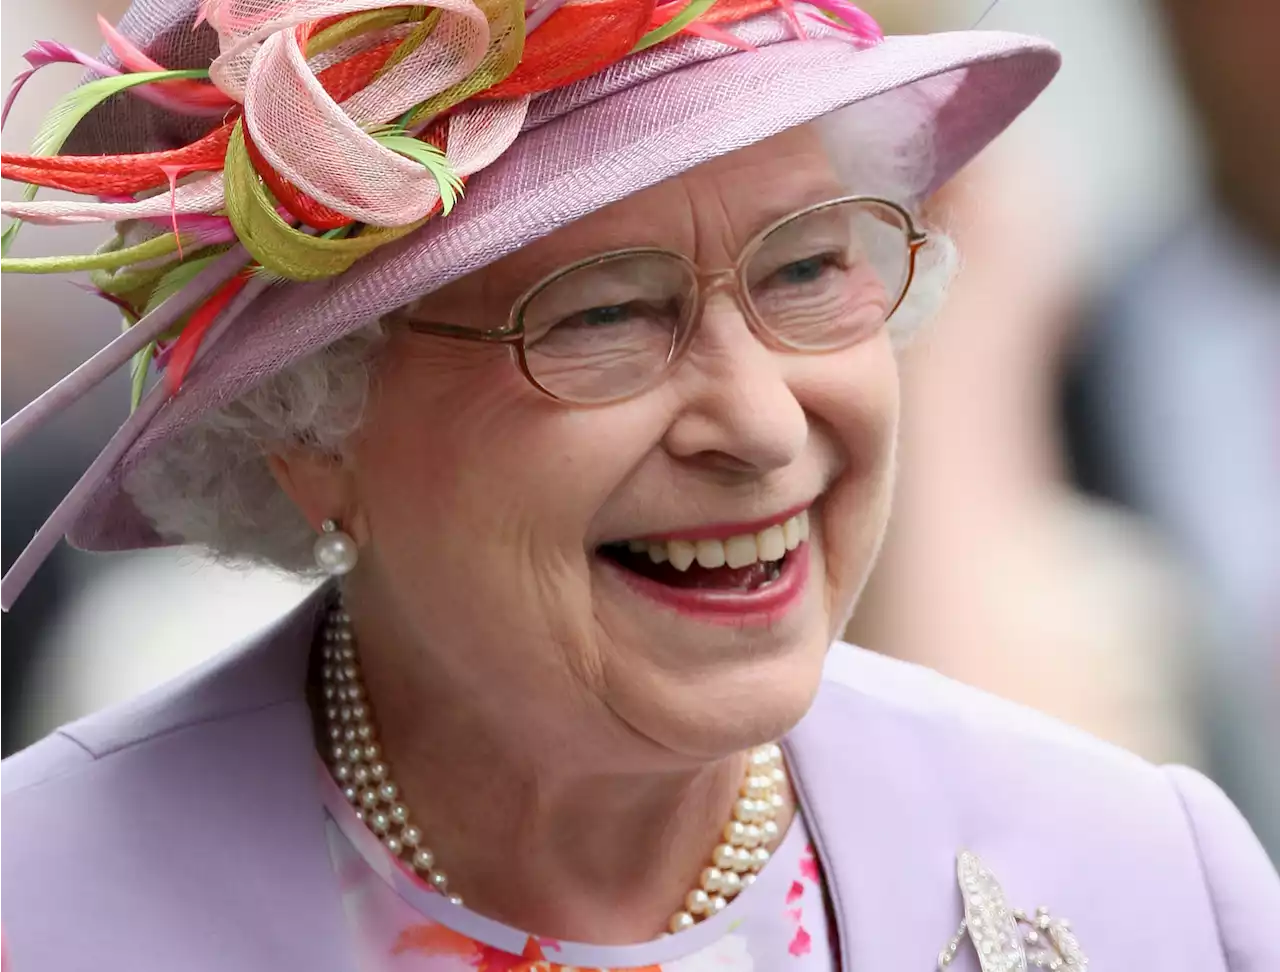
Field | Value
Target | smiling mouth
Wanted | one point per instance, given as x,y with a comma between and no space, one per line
744,563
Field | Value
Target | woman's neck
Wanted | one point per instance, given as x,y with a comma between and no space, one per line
541,830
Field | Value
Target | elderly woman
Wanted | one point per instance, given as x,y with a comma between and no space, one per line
598,452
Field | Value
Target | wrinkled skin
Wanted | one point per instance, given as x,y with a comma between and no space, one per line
486,618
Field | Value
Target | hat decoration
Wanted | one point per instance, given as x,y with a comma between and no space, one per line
321,131
336,127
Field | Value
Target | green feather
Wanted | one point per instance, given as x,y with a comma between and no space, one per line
259,272
68,113
431,158
692,11
156,247
10,231
173,281
177,278
138,375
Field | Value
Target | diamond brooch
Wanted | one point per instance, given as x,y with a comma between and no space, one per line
1008,939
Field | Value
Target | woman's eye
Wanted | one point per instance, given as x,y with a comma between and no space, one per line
604,324
804,271
600,316
582,323
632,313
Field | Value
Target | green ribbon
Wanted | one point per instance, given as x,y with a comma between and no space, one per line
692,11
281,249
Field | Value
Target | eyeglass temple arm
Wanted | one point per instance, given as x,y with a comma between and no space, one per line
501,335
916,241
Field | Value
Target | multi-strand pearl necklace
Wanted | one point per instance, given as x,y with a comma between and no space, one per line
355,760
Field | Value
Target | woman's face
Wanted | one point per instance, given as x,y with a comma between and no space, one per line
495,523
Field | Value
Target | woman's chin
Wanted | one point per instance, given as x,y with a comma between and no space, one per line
717,712
700,686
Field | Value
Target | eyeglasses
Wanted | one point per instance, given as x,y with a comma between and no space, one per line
611,326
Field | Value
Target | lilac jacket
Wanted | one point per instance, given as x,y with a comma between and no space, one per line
184,833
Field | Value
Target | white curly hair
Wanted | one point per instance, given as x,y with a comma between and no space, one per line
210,485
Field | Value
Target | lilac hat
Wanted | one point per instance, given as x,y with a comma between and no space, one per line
537,149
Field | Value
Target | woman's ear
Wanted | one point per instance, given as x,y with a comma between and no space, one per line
321,487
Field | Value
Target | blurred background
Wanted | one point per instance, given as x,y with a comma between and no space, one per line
1088,517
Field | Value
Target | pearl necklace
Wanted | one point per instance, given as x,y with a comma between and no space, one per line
355,760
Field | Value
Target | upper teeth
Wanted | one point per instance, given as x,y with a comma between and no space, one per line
770,544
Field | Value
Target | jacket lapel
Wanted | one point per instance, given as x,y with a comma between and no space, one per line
888,851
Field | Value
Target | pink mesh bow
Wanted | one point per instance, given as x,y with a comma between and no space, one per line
325,148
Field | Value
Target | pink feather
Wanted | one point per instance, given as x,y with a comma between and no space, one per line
198,228
719,34
537,14
171,173
163,350
789,9
126,50
194,93
184,101
198,99
125,307
42,54
851,19
202,14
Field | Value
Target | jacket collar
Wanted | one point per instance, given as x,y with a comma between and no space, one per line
224,863
236,751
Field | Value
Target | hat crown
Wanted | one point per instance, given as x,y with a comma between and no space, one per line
579,144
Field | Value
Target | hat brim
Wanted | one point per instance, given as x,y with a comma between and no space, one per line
974,84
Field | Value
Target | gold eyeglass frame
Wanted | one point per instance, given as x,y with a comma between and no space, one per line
731,279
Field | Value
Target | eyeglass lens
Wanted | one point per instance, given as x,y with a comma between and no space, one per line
824,280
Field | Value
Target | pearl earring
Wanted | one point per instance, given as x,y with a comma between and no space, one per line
335,551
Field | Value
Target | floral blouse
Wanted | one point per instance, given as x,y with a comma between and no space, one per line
400,924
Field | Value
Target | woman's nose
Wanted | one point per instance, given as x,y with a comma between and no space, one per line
739,414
